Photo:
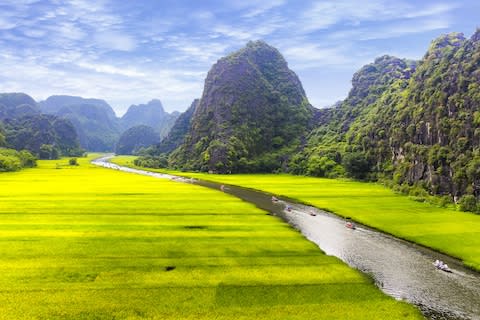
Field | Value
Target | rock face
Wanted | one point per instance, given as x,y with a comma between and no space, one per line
151,114
252,106
179,130
435,138
135,138
417,123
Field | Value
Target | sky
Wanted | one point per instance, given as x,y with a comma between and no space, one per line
129,52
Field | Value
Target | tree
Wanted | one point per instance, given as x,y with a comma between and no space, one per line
468,203
356,165
48,152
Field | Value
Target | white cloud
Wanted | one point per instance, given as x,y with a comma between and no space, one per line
261,7
322,15
108,69
433,10
115,41
304,55
392,30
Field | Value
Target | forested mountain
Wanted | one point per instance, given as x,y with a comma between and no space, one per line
327,143
418,124
97,126
15,105
42,134
23,127
135,138
151,114
253,113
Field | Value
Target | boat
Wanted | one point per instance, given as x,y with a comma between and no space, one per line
440,265
313,214
349,224
274,199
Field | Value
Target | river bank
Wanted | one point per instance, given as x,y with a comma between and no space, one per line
399,268
448,231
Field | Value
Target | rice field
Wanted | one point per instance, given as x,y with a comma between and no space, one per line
83,242
444,229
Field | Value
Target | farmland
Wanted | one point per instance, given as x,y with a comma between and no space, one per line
83,242
444,229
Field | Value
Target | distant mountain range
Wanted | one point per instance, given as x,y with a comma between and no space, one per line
23,126
93,121
96,123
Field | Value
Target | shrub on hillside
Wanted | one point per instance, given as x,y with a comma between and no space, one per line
468,203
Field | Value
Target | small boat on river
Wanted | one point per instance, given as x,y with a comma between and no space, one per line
440,265
349,224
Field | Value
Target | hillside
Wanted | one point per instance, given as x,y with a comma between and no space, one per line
94,120
151,114
135,138
179,130
96,123
252,114
15,105
23,127
414,123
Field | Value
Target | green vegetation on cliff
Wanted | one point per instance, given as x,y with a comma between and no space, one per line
252,115
415,124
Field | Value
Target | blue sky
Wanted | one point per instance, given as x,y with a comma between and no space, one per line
128,52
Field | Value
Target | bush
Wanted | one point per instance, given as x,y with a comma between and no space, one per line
28,160
467,203
320,166
155,162
73,162
48,152
9,163
13,160
356,165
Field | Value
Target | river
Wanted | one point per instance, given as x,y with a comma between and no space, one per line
400,269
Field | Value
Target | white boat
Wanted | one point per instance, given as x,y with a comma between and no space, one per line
440,265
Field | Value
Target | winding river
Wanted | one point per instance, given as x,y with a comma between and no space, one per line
401,269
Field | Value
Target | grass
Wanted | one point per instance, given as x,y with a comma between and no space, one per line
444,229
83,242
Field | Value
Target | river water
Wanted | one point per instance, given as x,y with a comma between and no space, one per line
401,269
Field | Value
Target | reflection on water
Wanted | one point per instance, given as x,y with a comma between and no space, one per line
401,269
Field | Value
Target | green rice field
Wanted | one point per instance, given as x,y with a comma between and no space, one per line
84,242
444,229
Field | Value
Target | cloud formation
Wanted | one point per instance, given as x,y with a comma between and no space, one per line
130,52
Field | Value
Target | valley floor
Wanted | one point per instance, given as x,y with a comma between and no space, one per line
84,242
443,229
